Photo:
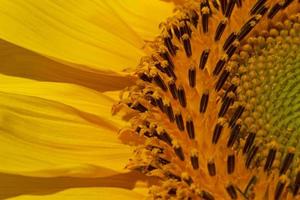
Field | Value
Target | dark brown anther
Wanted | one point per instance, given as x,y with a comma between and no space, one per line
164,136
246,28
173,176
286,162
286,3
230,164
203,58
229,8
222,80
296,184
206,195
223,6
217,133
150,168
188,180
178,151
225,105
274,10
176,32
219,66
145,77
232,88
262,11
165,55
187,46
205,4
129,104
159,67
229,40
220,29
149,134
160,103
249,142
279,189
149,92
237,114
231,191
179,121
205,12
230,51
205,22
163,161
138,129
270,159
190,128
181,96
160,82
192,76
257,6
250,184
139,107
173,89
170,46
204,102
184,28
170,33
195,162
194,18
169,112
215,4
172,191
251,156
211,166
168,70
234,135
239,3
187,28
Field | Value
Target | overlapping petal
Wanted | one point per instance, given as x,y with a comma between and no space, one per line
105,193
28,186
52,129
20,62
98,34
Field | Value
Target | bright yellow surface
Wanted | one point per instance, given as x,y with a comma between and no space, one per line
103,34
105,193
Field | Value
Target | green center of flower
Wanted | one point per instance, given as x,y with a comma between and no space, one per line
269,85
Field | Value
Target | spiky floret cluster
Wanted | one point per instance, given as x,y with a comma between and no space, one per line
215,112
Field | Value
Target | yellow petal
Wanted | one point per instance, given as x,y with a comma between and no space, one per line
50,129
20,62
90,33
143,16
176,1
15,185
105,193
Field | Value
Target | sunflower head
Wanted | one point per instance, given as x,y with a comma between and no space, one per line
215,114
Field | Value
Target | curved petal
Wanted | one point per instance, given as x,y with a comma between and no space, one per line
20,62
105,193
17,185
143,16
90,33
52,129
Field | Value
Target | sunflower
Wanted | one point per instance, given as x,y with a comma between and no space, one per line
210,112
